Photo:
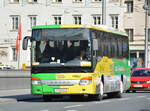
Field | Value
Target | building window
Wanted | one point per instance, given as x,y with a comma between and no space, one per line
96,0
33,1
129,5
114,0
77,1
15,22
14,54
130,34
32,20
114,19
97,19
77,19
14,1
57,1
57,20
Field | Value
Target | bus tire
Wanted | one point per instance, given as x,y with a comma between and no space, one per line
101,91
46,98
119,94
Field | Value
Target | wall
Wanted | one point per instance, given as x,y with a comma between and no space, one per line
14,79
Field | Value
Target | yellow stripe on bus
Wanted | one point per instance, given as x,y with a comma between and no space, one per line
84,26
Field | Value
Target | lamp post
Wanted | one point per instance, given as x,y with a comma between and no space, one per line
104,12
146,8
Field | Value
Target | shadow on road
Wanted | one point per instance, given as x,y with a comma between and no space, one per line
23,97
63,99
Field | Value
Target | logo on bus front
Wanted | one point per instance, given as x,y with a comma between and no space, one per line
60,76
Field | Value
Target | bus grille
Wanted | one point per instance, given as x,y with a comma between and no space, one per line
60,82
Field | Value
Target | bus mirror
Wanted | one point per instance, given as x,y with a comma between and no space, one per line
95,44
25,42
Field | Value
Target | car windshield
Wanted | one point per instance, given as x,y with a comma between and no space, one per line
61,52
141,73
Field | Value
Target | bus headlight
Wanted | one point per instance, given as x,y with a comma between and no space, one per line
85,81
36,81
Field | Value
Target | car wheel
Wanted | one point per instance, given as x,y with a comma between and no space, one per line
134,91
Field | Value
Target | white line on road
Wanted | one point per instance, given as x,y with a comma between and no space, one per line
102,102
72,110
123,99
44,110
148,98
140,96
73,106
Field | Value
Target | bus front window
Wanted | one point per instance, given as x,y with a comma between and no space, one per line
61,52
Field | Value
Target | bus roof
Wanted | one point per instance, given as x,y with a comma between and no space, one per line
100,27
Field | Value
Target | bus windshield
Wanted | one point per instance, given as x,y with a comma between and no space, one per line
58,53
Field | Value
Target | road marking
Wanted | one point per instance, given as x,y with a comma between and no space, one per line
44,110
72,110
102,102
140,96
73,106
123,99
148,98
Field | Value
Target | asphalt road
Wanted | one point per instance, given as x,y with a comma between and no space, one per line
139,101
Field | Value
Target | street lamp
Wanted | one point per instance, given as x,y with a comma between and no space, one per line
146,8
104,12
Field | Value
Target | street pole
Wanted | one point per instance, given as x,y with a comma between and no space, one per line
104,12
146,39
146,7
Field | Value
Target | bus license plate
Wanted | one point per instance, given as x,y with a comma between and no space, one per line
60,90
138,86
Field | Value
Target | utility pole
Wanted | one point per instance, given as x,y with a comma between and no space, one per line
146,8
104,12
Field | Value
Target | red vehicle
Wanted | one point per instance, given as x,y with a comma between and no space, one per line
140,80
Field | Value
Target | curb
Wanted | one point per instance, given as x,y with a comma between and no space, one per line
6,100
14,100
29,98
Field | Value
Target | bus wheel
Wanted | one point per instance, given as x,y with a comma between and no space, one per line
101,91
116,94
47,98
119,94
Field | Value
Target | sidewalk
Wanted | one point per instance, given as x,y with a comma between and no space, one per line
17,95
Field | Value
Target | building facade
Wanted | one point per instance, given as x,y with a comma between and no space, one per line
134,25
48,12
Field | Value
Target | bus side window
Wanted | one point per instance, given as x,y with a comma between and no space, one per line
125,48
109,47
112,48
120,47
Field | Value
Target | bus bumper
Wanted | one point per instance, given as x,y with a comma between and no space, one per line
64,90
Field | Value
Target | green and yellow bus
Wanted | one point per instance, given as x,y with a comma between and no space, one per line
77,60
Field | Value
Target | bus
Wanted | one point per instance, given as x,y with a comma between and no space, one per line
78,60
